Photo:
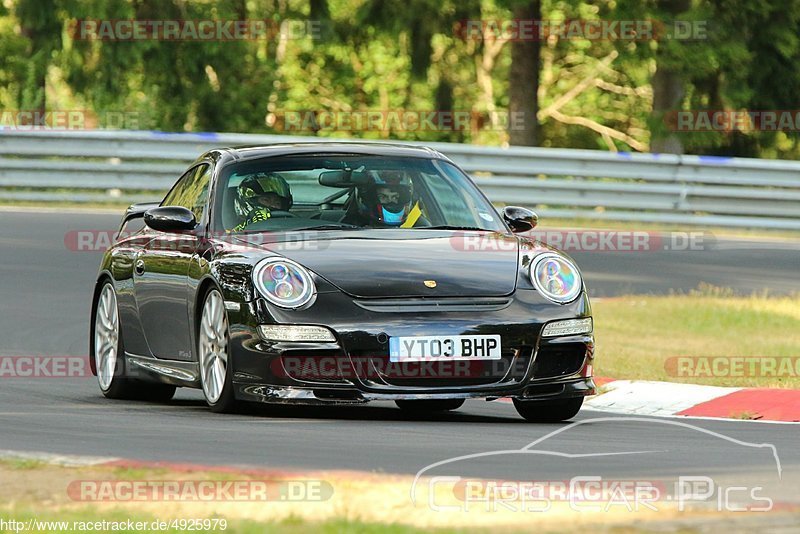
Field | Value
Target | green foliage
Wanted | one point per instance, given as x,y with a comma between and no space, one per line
375,55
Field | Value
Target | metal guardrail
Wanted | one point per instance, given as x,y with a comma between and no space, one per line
132,166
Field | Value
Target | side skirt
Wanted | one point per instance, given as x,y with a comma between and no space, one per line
174,372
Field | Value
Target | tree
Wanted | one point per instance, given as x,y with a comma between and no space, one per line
523,78
669,85
376,55
40,24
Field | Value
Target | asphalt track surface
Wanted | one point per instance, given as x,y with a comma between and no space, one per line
45,294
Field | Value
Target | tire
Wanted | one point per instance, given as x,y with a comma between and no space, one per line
107,349
109,355
548,411
424,407
213,342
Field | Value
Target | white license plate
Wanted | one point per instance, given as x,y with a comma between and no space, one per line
427,348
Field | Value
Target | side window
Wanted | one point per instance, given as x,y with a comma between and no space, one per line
197,193
177,190
191,191
133,226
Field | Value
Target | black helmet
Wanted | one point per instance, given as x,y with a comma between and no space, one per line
388,199
262,190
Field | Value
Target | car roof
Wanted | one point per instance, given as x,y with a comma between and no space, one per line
241,153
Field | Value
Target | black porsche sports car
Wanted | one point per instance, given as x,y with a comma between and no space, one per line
339,273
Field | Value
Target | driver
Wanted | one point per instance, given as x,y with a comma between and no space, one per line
258,196
388,201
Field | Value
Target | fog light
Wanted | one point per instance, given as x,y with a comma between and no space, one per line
568,327
278,332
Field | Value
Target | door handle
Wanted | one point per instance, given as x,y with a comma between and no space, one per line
138,266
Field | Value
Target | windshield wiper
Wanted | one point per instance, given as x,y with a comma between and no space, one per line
450,227
334,226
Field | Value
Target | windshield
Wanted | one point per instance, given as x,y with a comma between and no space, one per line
349,192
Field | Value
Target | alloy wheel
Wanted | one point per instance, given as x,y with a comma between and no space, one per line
213,346
106,337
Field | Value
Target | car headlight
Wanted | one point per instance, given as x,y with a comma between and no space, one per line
556,277
283,282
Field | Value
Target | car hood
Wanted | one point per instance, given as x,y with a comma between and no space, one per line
372,264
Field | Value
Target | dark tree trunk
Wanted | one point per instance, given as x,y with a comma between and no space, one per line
40,24
668,89
523,82
318,10
668,93
34,90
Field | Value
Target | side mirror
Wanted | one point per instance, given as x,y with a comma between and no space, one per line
520,219
170,219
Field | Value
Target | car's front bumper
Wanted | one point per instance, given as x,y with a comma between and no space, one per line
356,368
550,391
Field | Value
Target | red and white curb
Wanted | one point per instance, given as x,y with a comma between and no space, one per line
643,397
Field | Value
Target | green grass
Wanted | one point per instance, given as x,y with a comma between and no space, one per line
22,464
639,337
